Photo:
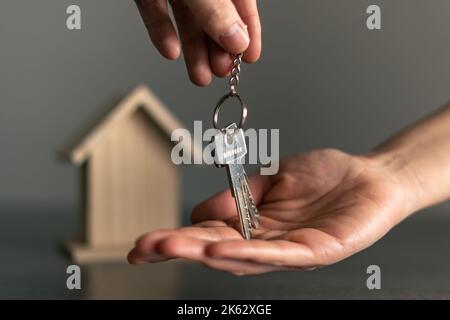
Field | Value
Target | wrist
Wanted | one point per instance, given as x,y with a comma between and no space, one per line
397,166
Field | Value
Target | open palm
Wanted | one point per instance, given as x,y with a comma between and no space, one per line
321,207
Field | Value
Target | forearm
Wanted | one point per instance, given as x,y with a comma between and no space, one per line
420,157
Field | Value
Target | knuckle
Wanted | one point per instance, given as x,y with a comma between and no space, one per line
143,241
212,14
250,16
170,245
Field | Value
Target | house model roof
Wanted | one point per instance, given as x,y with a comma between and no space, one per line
140,98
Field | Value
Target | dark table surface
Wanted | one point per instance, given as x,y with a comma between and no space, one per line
414,260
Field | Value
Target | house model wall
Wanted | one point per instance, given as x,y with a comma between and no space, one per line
129,183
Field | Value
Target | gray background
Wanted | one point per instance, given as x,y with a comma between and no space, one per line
324,80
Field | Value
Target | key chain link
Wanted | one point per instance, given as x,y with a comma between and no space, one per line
235,73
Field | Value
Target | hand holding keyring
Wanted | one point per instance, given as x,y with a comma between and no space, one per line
209,31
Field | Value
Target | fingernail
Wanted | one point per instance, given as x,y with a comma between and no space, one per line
235,39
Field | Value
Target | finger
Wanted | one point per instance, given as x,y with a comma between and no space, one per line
248,11
222,206
274,252
181,246
239,268
156,18
302,248
145,249
220,20
194,46
144,245
210,223
219,60
189,248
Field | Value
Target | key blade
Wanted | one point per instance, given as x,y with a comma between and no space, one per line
250,203
244,219
235,172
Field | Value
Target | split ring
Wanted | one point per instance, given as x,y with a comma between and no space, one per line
219,106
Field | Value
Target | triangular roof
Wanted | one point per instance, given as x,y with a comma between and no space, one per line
141,97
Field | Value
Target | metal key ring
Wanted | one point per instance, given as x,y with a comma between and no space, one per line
220,103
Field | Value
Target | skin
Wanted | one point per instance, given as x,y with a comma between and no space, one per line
321,207
209,32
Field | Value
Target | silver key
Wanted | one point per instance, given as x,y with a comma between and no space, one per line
230,150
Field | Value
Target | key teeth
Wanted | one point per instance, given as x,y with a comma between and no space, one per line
246,229
250,221
252,211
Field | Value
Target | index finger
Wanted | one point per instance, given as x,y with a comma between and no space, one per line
156,18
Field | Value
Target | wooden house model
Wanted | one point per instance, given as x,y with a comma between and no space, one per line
129,184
